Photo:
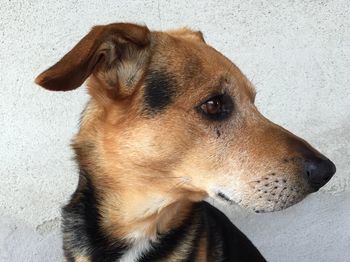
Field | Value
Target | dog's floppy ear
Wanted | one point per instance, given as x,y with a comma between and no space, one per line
114,53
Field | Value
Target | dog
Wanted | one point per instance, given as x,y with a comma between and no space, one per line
171,121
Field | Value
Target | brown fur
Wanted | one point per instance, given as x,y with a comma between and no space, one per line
149,170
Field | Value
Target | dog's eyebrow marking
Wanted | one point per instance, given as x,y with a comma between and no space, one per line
192,68
160,89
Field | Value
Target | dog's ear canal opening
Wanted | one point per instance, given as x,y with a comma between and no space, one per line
116,53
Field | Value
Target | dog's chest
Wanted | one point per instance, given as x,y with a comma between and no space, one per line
136,250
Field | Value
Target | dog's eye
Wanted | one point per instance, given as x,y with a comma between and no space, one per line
217,107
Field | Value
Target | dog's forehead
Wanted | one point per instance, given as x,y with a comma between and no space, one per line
182,63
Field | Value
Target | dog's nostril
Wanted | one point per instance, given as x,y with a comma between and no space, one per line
308,173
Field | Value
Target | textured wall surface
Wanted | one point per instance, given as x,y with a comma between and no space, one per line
297,53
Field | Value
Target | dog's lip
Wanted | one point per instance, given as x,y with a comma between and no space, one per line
224,197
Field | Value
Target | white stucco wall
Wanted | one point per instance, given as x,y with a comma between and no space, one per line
296,52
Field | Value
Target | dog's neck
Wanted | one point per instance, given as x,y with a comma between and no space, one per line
103,226
135,218
135,212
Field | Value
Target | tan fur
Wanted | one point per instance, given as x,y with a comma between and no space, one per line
202,248
187,33
79,259
124,140
149,170
82,259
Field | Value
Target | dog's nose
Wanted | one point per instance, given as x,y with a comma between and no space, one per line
318,172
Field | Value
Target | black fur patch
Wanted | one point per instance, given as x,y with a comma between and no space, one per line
81,226
160,89
83,234
225,239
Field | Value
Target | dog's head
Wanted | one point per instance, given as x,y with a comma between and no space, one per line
170,114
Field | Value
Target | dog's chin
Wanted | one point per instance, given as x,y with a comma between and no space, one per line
272,205
261,204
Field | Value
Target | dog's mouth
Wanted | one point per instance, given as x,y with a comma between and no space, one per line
264,201
223,197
